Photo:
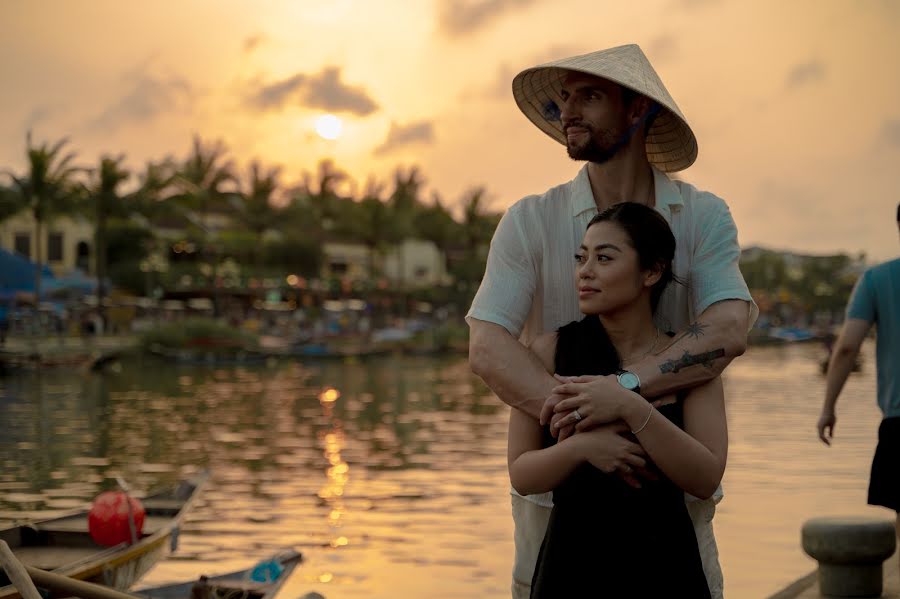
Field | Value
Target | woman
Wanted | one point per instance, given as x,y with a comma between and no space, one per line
606,538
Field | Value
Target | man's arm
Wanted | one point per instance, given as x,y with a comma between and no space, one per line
509,368
719,295
843,356
699,353
498,314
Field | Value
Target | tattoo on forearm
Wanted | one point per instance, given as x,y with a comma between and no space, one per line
695,330
689,359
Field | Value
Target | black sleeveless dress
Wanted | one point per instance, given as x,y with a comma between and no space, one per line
605,538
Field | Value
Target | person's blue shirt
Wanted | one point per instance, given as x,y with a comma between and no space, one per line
876,299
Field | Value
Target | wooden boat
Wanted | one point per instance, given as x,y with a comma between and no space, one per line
258,582
64,546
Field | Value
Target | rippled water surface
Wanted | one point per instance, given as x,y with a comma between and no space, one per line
390,474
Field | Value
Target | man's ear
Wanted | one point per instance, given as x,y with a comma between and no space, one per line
639,107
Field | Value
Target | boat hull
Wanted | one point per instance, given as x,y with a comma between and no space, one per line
63,545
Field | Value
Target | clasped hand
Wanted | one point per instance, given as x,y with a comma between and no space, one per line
598,400
608,447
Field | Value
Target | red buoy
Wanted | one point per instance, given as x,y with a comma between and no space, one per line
108,518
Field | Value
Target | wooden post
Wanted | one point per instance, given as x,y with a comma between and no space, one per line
17,573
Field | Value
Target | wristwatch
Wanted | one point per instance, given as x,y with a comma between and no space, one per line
629,380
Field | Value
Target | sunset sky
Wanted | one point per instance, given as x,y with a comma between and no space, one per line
796,105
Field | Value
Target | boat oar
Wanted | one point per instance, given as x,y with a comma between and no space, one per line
17,573
25,578
69,587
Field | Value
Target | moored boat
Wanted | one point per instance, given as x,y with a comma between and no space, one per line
259,582
63,545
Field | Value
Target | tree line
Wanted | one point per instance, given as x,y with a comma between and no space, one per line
276,228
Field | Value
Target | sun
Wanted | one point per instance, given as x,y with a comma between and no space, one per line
329,126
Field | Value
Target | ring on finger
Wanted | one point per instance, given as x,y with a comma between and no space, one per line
576,415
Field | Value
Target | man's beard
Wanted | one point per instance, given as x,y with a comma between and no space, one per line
599,149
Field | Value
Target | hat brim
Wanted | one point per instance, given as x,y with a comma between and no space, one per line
671,145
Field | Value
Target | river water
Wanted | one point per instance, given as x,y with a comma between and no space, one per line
390,474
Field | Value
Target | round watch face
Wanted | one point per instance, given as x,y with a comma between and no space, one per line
629,380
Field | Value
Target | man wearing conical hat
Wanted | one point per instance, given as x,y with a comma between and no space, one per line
610,110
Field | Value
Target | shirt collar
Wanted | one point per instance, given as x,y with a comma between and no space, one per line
582,196
668,198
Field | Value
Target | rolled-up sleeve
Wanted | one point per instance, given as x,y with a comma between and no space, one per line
510,278
715,272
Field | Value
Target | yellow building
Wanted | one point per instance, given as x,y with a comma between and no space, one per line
413,263
66,242
416,263
345,260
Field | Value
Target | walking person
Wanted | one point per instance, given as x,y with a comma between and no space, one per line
875,301
611,111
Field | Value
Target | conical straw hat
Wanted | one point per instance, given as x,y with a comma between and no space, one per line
671,145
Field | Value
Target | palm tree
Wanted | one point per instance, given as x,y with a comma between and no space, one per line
202,177
200,182
373,224
436,224
156,186
478,223
254,204
103,191
10,203
324,202
47,191
404,202
315,208
478,228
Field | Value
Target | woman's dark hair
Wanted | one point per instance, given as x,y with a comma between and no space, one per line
651,238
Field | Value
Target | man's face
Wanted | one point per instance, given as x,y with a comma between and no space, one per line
593,117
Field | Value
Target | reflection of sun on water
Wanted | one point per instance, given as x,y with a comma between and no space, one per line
337,475
329,126
329,395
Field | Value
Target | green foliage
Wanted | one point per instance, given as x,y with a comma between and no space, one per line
451,335
126,241
198,333
811,283
200,181
127,275
126,246
11,203
47,190
436,224
264,236
298,256
242,246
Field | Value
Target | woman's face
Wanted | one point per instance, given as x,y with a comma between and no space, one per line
608,275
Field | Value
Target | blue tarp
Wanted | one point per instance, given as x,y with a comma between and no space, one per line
17,273
74,282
